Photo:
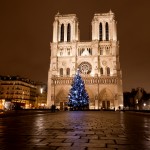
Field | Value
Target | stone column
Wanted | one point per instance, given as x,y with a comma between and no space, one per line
73,30
65,32
109,31
77,31
96,30
55,31
49,100
114,30
103,31
92,30
59,32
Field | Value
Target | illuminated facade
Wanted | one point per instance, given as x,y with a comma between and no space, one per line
97,60
16,90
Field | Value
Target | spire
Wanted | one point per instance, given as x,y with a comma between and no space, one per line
58,13
110,11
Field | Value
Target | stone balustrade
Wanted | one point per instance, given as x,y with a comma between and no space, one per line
87,80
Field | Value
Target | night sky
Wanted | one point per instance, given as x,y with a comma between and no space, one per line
26,32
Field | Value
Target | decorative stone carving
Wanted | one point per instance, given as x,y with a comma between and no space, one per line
85,67
104,62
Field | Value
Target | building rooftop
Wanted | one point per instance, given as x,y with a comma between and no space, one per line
16,78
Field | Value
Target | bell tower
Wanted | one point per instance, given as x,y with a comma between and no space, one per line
104,27
65,28
63,51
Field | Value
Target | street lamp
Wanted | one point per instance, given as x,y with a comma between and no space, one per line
41,90
40,97
144,106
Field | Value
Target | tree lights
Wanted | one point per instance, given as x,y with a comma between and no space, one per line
78,97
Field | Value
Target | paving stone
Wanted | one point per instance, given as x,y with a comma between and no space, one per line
119,141
45,148
52,141
72,134
60,144
112,138
127,147
82,132
67,137
102,141
76,141
90,144
90,137
72,148
82,135
76,130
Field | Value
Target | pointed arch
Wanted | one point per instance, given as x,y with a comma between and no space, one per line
106,94
61,71
62,33
68,71
100,31
107,98
107,31
108,71
61,95
68,32
101,71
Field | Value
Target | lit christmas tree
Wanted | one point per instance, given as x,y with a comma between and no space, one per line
78,97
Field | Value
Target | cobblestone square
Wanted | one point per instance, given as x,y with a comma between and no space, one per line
76,130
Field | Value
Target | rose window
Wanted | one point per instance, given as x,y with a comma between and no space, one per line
85,67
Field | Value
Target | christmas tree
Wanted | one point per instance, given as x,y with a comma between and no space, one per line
78,97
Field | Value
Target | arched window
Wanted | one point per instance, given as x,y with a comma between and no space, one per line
90,51
68,71
101,71
100,32
61,71
108,71
62,33
68,32
107,31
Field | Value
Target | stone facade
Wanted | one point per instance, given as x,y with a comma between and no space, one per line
15,90
97,60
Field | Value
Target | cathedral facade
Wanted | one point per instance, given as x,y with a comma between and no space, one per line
97,61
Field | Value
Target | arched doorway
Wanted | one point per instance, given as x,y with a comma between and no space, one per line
61,99
106,100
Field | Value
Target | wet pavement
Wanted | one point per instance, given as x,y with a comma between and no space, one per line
76,130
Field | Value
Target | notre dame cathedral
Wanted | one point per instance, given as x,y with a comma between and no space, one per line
97,61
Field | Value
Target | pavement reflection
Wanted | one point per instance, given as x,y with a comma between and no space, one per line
87,130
